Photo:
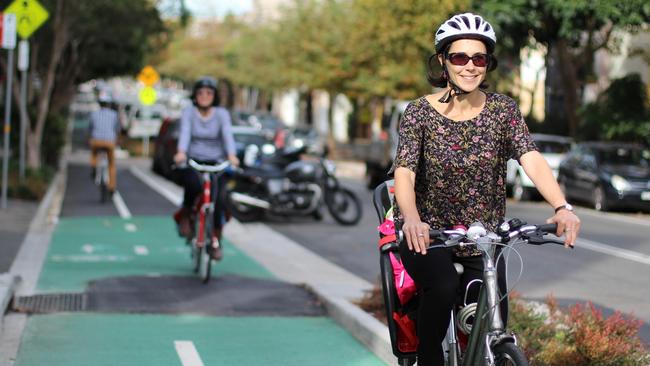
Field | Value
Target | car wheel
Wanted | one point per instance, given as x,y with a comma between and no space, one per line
600,200
519,192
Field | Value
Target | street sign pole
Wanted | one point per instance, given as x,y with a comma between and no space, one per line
23,65
8,40
7,128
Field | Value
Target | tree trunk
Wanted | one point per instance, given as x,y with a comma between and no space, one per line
59,42
569,67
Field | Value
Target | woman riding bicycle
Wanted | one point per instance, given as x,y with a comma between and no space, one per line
206,137
450,170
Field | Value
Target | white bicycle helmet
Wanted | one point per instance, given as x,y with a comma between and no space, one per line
463,26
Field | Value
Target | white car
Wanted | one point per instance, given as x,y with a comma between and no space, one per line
553,148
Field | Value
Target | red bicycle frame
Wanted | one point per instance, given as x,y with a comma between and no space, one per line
202,207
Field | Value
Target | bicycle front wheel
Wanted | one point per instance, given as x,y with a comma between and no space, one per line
206,261
509,354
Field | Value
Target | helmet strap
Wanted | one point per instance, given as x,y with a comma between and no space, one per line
453,91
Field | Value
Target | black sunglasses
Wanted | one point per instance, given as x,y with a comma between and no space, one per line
461,59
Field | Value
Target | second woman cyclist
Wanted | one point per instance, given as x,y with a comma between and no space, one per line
206,137
450,169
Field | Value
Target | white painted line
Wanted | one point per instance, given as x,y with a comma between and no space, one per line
614,251
173,197
188,353
121,206
87,248
130,227
141,250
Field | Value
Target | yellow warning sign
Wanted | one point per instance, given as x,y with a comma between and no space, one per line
148,76
30,15
148,95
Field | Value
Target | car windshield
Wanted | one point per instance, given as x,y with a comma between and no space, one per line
552,147
625,156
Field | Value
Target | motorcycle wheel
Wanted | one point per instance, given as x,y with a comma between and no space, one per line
243,212
343,205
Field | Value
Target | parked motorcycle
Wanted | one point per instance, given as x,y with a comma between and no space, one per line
285,185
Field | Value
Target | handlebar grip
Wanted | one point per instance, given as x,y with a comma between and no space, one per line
548,228
433,234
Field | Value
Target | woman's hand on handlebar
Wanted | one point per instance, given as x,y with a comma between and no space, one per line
568,224
233,160
180,158
416,234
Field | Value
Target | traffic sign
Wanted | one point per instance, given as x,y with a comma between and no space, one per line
8,30
148,95
148,76
30,15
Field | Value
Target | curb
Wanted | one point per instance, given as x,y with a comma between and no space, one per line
289,261
26,267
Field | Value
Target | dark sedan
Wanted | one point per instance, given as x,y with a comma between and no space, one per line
607,175
167,140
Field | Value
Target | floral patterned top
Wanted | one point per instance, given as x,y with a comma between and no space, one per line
460,166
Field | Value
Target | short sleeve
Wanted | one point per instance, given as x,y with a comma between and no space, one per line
409,147
518,140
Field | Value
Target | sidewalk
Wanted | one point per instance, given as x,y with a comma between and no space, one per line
333,286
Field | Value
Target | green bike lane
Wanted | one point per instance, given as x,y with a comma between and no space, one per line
186,323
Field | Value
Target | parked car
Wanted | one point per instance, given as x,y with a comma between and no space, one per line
167,140
607,175
553,148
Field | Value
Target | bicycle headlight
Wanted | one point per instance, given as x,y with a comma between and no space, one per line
619,183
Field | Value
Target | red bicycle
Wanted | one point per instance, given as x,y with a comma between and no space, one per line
205,243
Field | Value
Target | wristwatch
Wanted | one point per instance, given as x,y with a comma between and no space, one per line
566,206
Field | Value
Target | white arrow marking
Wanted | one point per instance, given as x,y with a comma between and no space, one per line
87,248
188,353
141,250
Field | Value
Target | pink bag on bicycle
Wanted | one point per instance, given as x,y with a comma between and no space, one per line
404,284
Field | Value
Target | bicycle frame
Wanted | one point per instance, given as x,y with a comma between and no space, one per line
206,207
488,328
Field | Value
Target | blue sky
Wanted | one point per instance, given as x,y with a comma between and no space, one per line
219,8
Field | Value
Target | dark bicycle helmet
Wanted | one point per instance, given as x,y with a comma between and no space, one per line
464,26
205,82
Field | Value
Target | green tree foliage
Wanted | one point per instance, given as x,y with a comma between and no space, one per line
574,29
81,40
620,113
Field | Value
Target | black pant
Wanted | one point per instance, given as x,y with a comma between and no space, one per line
192,182
440,286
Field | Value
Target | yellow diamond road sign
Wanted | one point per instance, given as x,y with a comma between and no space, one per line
30,15
148,76
148,95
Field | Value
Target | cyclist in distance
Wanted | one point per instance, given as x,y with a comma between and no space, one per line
206,137
103,134
450,170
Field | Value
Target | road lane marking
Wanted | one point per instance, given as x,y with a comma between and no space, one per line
614,251
188,353
121,206
141,250
174,198
130,227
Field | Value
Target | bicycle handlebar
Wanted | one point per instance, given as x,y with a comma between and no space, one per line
533,234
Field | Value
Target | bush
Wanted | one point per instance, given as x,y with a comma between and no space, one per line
579,336
33,187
